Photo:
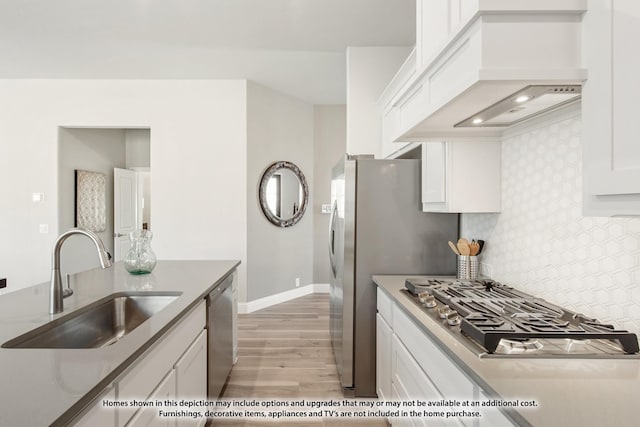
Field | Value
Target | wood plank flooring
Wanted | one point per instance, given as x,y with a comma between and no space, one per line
284,352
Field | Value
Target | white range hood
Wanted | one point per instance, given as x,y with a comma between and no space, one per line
501,68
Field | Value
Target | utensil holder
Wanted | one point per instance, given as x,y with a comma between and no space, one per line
467,267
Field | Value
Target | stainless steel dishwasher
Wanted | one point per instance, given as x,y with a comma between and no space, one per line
219,336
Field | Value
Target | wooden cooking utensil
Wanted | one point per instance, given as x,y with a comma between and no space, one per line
453,248
474,248
463,240
463,248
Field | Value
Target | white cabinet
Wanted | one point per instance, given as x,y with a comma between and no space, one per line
383,358
410,382
384,320
471,54
420,369
149,416
147,372
436,21
461,176
395,111
191,377
611,148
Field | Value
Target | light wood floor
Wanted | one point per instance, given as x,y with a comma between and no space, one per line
284,352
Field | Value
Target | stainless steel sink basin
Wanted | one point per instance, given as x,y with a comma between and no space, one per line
97,325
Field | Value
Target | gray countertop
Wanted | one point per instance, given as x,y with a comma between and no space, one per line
48,386
570,392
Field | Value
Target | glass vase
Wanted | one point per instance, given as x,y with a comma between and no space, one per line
140,259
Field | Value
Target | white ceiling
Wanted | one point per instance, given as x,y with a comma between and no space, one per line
295,46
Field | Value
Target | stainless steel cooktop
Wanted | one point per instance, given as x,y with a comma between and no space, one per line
495,320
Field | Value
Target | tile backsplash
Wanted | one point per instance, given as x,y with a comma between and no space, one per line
541,242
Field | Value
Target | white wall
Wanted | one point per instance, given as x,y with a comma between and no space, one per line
279,127
329,144
138,146
198,156
541,242
95,150
369,70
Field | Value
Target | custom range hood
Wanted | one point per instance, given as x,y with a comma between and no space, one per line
525,104
510,61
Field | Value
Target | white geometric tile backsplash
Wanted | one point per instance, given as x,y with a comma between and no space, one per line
541,242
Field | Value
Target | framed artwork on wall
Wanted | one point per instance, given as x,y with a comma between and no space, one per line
91,189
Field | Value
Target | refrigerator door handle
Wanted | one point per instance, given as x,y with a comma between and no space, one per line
332,236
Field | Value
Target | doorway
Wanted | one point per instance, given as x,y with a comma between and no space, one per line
99,149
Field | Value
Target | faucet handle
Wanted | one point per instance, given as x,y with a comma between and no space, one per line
67,292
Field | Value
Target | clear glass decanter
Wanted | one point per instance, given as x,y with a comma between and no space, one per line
140,259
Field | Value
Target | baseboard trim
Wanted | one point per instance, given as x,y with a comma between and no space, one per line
260,303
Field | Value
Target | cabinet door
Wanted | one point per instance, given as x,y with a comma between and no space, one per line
149,416
611,149
383,358
434,169
191,376
98,415
432,28
412,383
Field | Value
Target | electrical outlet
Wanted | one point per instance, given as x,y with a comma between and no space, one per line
326,209
297,282
44,228
486,270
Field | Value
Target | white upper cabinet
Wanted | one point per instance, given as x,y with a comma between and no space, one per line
473,54
461,176
609,108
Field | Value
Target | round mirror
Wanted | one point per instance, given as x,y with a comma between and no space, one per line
283,194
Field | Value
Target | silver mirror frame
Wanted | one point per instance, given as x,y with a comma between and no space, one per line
262,194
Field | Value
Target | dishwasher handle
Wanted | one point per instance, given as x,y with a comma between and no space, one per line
226,283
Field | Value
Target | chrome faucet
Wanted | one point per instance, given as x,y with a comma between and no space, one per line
56,293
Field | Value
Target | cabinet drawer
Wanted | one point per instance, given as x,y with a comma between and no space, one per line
444,374
411,382
149,416
145,374
385,306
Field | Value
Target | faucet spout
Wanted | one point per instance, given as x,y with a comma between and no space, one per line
55,290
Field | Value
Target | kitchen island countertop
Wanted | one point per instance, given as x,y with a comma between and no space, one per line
49,386
569,392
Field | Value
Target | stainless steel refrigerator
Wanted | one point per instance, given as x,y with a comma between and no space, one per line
377,227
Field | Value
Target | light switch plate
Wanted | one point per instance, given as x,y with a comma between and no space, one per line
44,228
326,209
37,197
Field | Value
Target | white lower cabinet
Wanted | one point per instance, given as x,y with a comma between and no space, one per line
412,383
149,416
191,377
173,366
383,358
413,367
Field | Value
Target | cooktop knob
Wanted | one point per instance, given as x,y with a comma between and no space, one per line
423,295
444,311
453,318
430,301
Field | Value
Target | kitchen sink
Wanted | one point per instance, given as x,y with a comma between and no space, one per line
98,325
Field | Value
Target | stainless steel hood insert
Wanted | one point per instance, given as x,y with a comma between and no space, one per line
529,102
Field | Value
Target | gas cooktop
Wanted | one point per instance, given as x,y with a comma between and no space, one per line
502,321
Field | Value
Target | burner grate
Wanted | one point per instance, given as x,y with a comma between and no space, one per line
492,312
